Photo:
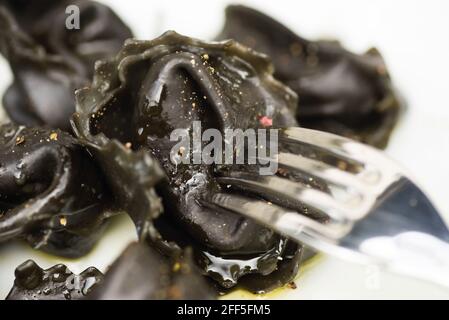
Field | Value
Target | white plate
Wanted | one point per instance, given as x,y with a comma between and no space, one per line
412,36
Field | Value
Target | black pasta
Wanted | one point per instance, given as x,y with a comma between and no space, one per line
52,194
56,283
57,191
50,61
339,91
153,87
141,273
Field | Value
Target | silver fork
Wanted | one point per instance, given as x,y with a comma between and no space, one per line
375,213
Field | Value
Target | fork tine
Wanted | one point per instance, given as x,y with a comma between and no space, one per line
289,191
326,141
344,148
288,223
319,170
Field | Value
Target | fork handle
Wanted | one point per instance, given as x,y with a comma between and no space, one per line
414,254
408,235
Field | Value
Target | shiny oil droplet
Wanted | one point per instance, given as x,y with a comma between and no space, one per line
67,294
19,177
88,285
20,164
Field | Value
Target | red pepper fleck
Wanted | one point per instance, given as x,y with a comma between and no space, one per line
266,121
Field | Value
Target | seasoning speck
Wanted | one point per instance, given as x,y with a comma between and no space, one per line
53,136
176,267
292,285
20,140
266,121
63,221
342,165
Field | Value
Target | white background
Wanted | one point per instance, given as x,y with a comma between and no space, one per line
413,37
